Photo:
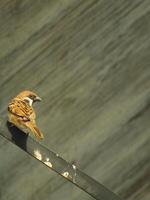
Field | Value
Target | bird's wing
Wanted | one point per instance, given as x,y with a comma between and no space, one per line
21,108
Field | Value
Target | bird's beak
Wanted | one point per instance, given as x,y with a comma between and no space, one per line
38,99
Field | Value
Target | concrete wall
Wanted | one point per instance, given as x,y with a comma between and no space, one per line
90,63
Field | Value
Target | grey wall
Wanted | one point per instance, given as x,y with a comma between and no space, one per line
90,62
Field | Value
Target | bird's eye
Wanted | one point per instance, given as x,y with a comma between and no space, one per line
31,96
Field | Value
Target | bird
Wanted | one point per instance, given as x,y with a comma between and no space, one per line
21,113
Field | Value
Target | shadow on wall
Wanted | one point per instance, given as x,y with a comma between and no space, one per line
18,136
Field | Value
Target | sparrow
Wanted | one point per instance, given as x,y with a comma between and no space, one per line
21,113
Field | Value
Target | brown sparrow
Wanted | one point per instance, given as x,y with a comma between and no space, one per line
22,114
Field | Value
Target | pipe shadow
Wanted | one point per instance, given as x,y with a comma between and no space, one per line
17,136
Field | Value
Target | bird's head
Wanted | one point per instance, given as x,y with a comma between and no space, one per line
29,96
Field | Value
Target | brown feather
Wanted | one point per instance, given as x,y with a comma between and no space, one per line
22,115
34,129
20,108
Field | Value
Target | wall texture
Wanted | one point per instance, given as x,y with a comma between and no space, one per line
90,62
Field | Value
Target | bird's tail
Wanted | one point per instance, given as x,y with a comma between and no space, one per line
35,130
